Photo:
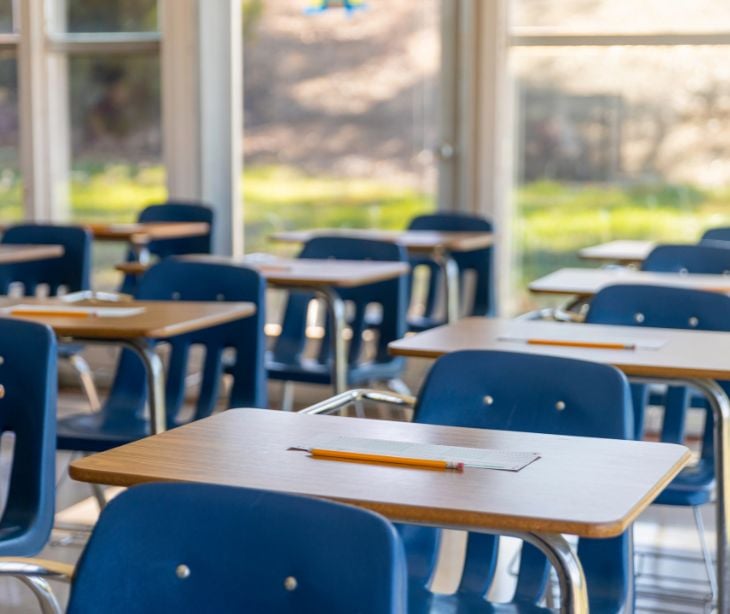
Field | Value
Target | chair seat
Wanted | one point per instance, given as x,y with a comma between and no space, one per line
309,371
423,601
695,485
99,431
422,323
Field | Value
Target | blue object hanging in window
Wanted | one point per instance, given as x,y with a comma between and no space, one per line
350,6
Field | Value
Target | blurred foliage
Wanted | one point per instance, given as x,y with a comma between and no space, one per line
111,15
253,11
553,220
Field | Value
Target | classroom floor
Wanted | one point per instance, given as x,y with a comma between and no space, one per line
671,530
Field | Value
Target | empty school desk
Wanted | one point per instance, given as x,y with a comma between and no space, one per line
140,234
12,254
435,244
618,252
157,320
587,282
580,486
323,278
695,358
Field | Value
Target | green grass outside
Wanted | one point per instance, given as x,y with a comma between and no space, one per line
554,220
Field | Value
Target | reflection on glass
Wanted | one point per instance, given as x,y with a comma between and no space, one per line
111,15
341,115
6,16
10,184
618,143
623,15
116,166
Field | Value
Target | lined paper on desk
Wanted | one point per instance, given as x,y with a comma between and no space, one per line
480,458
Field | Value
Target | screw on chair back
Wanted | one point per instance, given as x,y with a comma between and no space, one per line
288,360
28,391
666,307
190,548
532,393
123,418
71,271
710,259
478,261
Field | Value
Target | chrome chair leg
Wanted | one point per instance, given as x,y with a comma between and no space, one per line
287,396
87,380
43,593
706,555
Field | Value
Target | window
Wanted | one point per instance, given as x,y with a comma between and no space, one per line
620,130
340,115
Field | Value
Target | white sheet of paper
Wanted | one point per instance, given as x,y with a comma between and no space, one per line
101,312
640,344
480,458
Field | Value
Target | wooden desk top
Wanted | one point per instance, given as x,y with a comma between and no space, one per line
586,282
12,253
422,241
311,272
142,233
587,487
623,252
160,319
683,353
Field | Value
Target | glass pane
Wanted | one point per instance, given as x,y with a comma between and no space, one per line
341,115
6,16
11,190
618,143
116,140
624,15
111,15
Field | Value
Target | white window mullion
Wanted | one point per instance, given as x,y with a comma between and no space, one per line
44,135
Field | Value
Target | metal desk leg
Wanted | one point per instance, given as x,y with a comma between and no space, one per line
336,309
155,383
721,411
43,593
142,252
573,592
451,283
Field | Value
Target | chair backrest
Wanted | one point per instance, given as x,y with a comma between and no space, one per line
184,280
664,307
479,261
389,295
189,548
533,393
28,410
716,234
176,211
699,259
70,271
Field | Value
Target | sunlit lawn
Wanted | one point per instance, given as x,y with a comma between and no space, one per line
554,220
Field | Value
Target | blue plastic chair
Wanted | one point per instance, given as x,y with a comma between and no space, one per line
700,259
532,393
667,307
288,361
122,417
70,273
478,261
190,548
173,211
28,376
716,234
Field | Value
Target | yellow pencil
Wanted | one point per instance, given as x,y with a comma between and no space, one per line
50,313
382,458
605,345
